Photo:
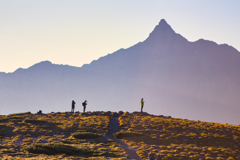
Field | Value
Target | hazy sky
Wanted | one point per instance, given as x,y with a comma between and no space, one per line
75,32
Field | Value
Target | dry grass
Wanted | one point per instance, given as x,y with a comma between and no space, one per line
27,135
177,138
52,136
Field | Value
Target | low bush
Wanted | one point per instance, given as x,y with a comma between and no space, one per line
3,146
70,141
54,148
3,119
84,135
2,133
2,126
35,121
16,119
5,130
10,119
124,134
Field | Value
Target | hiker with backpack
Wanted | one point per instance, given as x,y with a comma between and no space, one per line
142,104
84,105
73,106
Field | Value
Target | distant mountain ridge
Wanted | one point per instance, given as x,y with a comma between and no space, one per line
194,80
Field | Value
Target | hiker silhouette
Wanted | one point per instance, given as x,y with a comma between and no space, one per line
73,105
84,105
142,104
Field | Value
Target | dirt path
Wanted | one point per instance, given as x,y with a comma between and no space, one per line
114,127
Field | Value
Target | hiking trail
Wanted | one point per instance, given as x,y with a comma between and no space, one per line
113,128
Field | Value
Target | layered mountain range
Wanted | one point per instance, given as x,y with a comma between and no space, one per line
194,80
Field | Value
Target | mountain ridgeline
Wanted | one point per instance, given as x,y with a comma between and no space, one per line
193,80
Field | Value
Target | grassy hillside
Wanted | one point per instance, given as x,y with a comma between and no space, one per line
56,136
81,136
180,138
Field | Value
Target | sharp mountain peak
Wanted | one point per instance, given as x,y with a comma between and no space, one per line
162,27
164,34
171,73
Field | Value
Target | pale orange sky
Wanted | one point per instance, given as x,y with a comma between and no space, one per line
77,32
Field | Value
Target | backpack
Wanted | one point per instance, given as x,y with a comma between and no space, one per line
83,104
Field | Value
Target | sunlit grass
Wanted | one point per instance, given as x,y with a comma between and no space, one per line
181,138
21,134
173,138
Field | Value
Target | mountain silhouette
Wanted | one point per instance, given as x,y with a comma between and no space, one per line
194,80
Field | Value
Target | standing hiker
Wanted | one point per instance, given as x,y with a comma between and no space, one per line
84,105
142,104
73,105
